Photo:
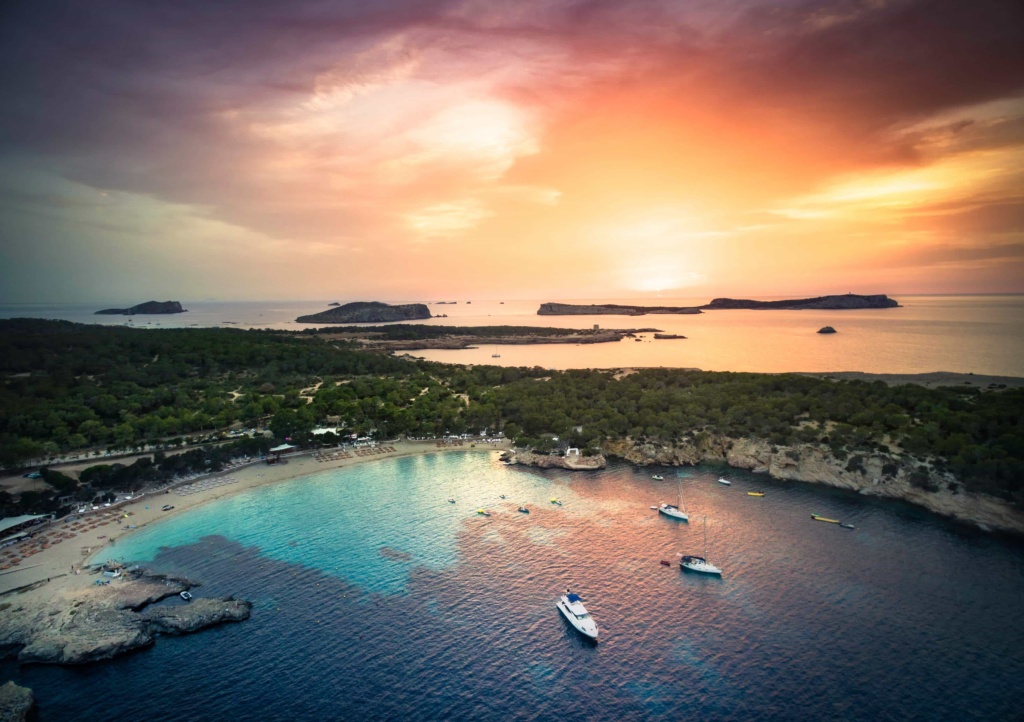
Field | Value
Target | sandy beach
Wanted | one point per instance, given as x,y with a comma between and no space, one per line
46,564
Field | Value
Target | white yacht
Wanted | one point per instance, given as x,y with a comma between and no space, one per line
722,480
700,564
676,511
572,607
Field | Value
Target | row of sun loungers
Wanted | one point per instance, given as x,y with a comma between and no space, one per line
211,483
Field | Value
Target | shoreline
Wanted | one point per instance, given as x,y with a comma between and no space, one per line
51,571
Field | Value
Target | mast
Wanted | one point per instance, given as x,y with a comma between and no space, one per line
705,536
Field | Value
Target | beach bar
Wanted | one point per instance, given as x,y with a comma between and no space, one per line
274,455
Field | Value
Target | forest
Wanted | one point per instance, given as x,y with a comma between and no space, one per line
87,389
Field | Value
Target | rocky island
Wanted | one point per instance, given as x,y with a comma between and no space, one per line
848,301
107,621
609,309
844,302
368,312
149,308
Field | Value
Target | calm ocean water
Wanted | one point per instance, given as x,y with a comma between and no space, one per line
376,599
966,334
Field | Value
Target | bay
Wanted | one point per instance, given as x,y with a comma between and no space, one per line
374,598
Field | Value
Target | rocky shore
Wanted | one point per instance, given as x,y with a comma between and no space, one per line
544,461
872,475
106,621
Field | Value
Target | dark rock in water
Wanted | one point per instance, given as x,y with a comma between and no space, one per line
837,303
608,309
15,702
149,308
826,329
667,335
368,312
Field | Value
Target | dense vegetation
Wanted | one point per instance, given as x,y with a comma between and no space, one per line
73,387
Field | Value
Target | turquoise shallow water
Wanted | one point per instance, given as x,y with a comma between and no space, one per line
377,599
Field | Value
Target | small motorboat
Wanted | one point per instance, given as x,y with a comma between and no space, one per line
187,596
483,512
571,605
658,477
847,526
451,501
524,509
755,493
502,496
556,501
819,517
724,481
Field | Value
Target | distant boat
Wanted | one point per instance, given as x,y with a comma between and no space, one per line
724,481
658,477
847,526
700,564
495,355
187,596
524,509
483,512
502,496
819,517
755,493
676,511
451,501
571,606
556,501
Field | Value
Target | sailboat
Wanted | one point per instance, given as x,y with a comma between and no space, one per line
676,511
700,564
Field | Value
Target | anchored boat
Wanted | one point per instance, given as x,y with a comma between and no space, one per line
722,480
819,517
571,606
700,564
676,511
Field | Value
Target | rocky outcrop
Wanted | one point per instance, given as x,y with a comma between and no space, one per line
608,309
826,329
15,702
835,303
667,335
368,312
573,462
876,475
109,621
149,308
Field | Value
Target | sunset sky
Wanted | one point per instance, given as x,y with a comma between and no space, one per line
407,150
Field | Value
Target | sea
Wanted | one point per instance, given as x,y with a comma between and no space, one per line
374,598
964,334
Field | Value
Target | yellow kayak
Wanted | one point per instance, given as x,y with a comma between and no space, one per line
821,518
755,493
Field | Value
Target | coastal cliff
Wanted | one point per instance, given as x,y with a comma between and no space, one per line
844,302
108,621
609,309
876,475
545,461
149,308
368,312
